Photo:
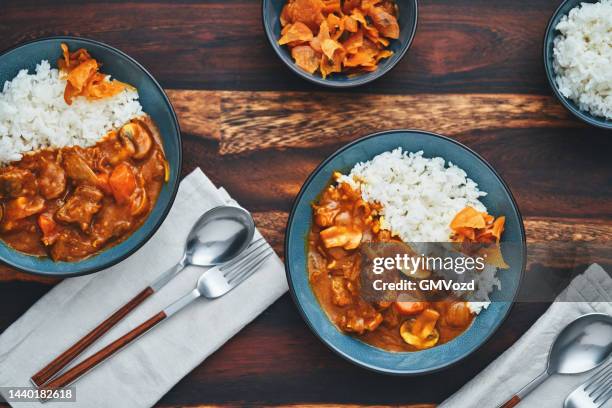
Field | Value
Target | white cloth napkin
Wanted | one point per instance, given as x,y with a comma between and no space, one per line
527,357
141,374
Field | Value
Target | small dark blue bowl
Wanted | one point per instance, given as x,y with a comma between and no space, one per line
154,102
271,10
548,45
498,200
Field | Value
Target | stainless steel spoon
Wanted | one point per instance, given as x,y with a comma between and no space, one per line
218,236
581,346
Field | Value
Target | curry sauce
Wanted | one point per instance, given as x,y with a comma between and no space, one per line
342,221
73,202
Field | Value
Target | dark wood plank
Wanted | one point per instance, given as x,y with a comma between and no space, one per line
468,46
248,121
555,172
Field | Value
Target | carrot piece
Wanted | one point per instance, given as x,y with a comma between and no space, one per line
122,182
48,226
410,308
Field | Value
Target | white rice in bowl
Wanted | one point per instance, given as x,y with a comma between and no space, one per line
583,56
420,197
34,115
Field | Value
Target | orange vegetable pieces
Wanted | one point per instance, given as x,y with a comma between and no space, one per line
309,12
71,60
350,24
498,227
122,182
48,227
385,23
350,5
409,308
390,7
81,74
285,16
334,64
306,58
99,87
321,36
336,26
475,226
332,6
469,217
360,58
383,54
349,36
83,78
368,4
296,33
329,48
352,44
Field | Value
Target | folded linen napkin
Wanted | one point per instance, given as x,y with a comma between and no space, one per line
528,356
141,374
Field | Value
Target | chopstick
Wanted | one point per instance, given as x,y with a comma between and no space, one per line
48,372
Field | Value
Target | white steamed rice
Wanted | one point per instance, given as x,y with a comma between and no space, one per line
34,115
419,198
583,56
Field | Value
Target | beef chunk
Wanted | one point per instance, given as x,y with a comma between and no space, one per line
81,206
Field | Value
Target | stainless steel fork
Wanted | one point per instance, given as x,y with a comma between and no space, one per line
213,284
595,391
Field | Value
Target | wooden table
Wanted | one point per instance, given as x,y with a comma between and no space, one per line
474,72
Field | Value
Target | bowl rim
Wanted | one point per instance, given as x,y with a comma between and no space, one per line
343,354
362,79
548,70
175,182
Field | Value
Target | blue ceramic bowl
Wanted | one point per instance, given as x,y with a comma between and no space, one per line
549,37
153,100
499,200
271,10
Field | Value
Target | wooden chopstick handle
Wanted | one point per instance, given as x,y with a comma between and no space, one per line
47,372
512,402
78,370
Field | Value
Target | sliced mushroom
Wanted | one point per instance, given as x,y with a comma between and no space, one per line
141,138
125,151
421,332
140,201
415,341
